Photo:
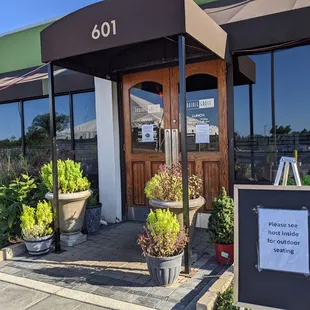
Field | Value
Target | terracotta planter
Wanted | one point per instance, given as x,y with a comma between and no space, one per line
71,216
224,253
176,207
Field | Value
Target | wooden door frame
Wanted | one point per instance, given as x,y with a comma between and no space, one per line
216,68
169,78
160,76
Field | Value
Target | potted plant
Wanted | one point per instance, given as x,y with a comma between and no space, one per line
93,214
221,228
162,242
73,193
36,228
164,191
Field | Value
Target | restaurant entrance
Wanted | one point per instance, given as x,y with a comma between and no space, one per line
152,126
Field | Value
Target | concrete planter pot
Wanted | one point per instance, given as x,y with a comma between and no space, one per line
176,207
72,212
39,246
164,270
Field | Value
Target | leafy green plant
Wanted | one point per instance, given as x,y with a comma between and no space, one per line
226,301
305,180
92,200
12,198
70,177
162,237
36,222
221,220
166,185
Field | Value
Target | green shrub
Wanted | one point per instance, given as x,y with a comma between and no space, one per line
305,180
166,185
12,198
36,222
162,237
221,220
70,177
226,301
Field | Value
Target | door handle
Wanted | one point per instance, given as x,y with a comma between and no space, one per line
175,146
168,147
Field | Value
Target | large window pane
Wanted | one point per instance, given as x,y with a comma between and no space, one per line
262,142
243,148
10,134
85,134
147,118
202,112
292,99
37,130
64,144
37,127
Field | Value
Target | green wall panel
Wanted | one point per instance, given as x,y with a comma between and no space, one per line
21,49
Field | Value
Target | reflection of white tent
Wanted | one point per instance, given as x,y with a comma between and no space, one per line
149,114
83,131
149,117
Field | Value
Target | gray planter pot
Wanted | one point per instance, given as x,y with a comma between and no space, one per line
72,211
176,207
164,271
39,246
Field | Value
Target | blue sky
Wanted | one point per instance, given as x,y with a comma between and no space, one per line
15,14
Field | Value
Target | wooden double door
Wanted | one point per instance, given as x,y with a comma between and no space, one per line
152,127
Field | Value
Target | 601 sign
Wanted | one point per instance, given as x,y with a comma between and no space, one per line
106,29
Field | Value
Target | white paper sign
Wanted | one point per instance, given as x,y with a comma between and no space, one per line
202,133
147,133
283,240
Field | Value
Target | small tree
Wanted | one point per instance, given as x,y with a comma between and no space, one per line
221,220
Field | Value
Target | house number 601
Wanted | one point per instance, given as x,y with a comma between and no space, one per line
106,30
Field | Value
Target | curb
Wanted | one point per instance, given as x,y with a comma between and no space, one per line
12,251
209,299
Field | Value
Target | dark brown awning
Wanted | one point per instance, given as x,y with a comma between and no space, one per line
261,23
111,35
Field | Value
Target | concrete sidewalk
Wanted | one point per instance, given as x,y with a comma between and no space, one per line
15,297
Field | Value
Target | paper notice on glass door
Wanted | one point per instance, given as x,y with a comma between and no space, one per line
202,133
147,133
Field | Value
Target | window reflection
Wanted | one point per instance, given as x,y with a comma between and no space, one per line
202,113
147,117
37,126
85,134
10,133
257,156
292,98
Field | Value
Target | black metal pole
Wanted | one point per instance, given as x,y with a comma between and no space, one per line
251,130
182,107
54,154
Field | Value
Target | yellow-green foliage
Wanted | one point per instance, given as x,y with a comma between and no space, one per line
161,222
70,177
36,222
162,236
166,185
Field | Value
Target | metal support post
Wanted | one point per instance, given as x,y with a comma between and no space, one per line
182,107
54,155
